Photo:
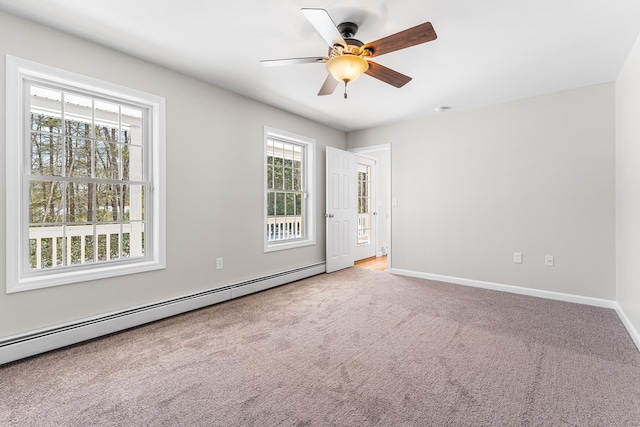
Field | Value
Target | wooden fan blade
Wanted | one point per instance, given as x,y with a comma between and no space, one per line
328,86
387,75
292,61
410,37
323,24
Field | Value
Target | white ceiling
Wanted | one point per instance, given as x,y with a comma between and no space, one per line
487,51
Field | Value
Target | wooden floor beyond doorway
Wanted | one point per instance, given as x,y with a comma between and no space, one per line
373,263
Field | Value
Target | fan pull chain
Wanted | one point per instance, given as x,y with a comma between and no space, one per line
345,89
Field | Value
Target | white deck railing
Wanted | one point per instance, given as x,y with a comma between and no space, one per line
288,227
364,229
53,233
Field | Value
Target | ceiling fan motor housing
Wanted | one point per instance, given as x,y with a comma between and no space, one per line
348,29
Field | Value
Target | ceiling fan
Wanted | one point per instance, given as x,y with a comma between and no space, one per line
349,58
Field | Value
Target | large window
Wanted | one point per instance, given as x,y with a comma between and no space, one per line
288,190
86,161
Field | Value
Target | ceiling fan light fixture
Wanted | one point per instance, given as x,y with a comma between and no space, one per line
347,67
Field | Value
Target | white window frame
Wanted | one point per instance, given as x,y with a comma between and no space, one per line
309,188
21,73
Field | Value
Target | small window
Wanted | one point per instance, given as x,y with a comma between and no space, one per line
365,203
84,161
288,190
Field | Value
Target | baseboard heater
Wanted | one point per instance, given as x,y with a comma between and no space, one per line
22,346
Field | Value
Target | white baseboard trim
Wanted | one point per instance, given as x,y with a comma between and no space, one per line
26,345
578,299
635,336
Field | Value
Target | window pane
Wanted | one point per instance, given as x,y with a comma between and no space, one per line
45,246
280,205
52,95
76,250
126,242
46,123
77,128
297,179
131,125
102,247
297,157
114,246
32,253
46,110
107,120
278,180
299,204
288,155
78,154
106,160
46,154
107,202
59,250
45,201
270,177
269,152
77,113
79,202
133,135
291,206
106,133
133,240
88,248
288,179
124,135
133,196
137,242
132,162
271,198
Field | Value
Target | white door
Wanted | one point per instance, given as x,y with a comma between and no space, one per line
341,211
366,242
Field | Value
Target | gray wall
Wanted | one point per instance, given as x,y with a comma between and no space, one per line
534,176
628,187
214,184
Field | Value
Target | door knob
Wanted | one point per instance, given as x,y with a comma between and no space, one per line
328,216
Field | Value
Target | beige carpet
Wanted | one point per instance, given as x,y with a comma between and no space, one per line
352,348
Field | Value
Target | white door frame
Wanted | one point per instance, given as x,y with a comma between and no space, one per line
374,149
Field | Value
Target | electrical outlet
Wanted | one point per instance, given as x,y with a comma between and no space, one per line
548,260
517,257
219,263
